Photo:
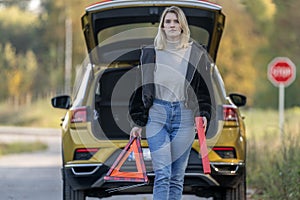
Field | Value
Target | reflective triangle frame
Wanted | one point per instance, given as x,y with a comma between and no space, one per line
116,175
202,145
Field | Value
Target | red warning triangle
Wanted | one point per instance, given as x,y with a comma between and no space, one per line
115,173
203,146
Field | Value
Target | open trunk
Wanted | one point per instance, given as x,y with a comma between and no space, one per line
105,23
115,87
114,36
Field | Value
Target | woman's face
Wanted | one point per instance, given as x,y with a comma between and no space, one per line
172,27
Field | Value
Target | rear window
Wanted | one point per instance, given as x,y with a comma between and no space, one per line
127,32
144,31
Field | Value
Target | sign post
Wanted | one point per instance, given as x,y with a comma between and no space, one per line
281,72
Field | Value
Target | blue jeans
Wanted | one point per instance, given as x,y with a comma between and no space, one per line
170,133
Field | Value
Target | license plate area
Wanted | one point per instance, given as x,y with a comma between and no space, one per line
146,155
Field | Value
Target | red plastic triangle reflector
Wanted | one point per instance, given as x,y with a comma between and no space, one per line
116,174
202,144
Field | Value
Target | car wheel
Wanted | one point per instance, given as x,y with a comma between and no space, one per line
236,193
70,194
242,189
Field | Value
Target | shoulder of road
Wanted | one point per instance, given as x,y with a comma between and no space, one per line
17,130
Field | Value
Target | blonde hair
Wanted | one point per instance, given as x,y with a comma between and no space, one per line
160,39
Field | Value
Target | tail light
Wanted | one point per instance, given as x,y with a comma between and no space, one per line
79,115
225,152
84,153
230,115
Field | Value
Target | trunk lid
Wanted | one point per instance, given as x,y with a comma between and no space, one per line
126,25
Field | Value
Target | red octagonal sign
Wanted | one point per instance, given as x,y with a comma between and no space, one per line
281,70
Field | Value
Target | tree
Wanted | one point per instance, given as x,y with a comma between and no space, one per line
3,78
21,40
19,28
30,75
13,74
277,21
284,40
237,53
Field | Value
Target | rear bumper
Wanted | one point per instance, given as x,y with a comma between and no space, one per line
90,177
85,176
228,175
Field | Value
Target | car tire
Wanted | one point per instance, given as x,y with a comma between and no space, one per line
70,194
236,193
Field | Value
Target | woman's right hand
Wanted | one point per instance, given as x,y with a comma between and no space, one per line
136,132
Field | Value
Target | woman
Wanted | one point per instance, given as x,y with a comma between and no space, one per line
173,92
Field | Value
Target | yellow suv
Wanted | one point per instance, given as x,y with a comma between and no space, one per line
96,127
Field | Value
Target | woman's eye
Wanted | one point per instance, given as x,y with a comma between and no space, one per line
168,21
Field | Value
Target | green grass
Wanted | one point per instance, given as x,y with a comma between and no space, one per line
38,114
21,147
273,159
261,122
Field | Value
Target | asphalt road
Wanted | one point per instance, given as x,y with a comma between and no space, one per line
36,176
31,176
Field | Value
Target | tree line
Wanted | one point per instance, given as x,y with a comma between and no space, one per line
32,47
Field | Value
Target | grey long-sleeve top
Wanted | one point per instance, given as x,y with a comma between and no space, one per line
170,72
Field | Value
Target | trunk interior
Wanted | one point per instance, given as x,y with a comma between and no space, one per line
115,87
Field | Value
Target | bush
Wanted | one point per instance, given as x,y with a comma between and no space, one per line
273,163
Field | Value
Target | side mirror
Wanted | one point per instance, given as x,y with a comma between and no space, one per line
238,99
63,102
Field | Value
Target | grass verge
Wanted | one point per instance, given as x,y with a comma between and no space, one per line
21,147
273,159
38,114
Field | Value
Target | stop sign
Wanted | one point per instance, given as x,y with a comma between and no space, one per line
281,71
